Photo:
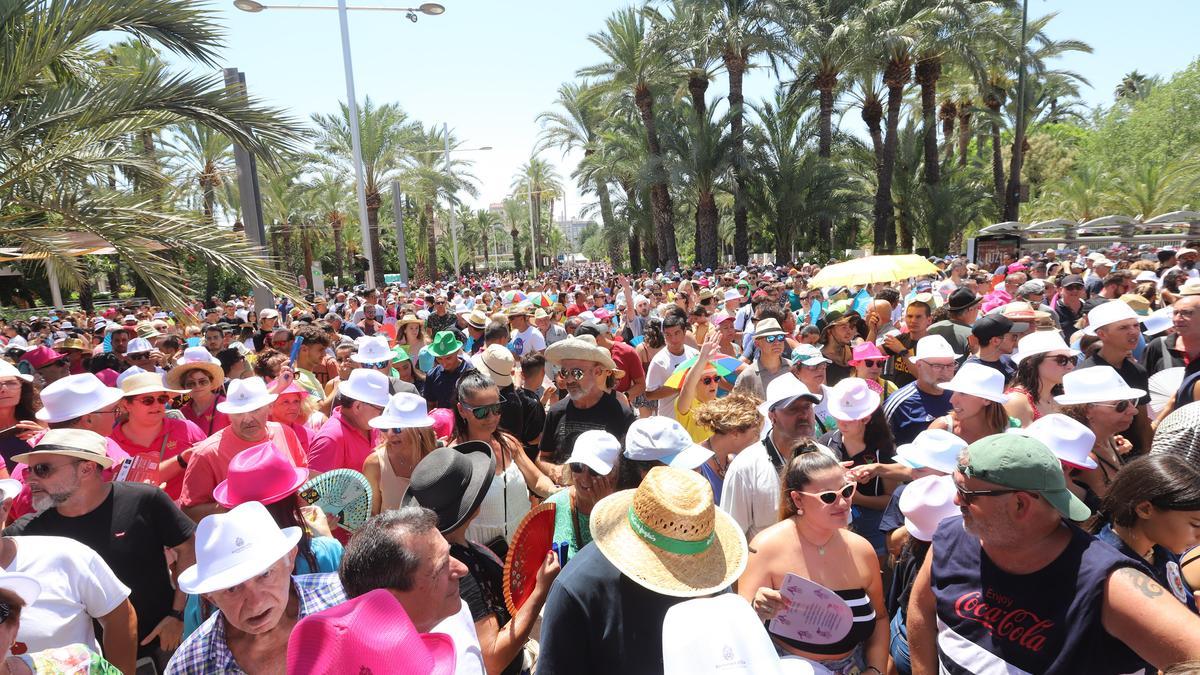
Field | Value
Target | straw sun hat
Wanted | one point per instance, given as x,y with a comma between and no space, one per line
668,536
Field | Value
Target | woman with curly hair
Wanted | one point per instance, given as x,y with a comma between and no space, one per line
735,423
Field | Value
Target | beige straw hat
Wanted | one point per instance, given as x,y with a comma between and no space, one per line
668,536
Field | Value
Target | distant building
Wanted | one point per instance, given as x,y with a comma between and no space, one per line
573,231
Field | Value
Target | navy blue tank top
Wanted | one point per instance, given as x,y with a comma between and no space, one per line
992,622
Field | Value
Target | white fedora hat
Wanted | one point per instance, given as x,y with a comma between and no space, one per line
935,449
934,347
138,345
403,411
1069,440
235,546
1158,321
662,439
717,634
1109,313
1096,384
9,370
372,350
1043,342
75,396
925,503
852,399
246,395
597,449
368,386
23,586
979,380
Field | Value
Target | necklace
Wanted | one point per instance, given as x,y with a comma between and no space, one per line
716,460
820,547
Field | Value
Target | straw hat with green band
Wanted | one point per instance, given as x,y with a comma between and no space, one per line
1019,462
668,536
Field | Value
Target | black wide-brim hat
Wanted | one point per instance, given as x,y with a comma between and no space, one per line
452,482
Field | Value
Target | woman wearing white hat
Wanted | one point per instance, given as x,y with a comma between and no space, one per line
407,434
862,437
978,403
1042,359
1099,398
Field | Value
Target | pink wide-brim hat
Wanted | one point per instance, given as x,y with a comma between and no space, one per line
260,473
368,634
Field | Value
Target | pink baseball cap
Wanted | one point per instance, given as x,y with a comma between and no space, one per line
260,473
368,634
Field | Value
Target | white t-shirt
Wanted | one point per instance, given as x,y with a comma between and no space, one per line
77,586
660,369
461,630
528,341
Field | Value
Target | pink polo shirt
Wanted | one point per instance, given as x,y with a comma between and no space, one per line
210,421
337,445
180,435
210,460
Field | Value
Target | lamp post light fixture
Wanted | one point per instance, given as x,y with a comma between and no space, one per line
430,9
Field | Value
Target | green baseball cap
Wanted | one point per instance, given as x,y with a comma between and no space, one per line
1023,463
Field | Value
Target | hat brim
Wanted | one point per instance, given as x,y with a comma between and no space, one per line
1126,394
1018,357
672,574
767,406
153,389
192,583
991,396
176,374
25,587
382,422
109,396
103,460
483,467
770,333
359,358
1067,504
440,353
689,458
233,408
221,492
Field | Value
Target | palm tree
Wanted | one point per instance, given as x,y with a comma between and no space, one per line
704,154
67,115
744,30
1134,86
482,221
514,213
539,181
638,64
1149,188
331,195
202,158
696,53
384,130
427,178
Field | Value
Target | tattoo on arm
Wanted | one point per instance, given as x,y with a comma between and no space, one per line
1144,584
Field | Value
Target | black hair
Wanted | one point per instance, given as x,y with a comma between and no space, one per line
286,513
1169,482
471,381
675,320
533,361
1028,379
381,553
652,332
495,332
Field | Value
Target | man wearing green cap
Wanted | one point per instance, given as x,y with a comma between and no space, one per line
1012,586
450,365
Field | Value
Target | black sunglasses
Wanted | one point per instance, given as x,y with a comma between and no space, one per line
576,467
481,412
161,399
709,379
45,469
1119,406
1061,360
968,496
6,611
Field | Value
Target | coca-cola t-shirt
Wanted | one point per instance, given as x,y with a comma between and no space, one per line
991,621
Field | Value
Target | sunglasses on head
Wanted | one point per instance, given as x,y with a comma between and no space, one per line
831,496
482,412
1119,406
161,399
576,467
46,469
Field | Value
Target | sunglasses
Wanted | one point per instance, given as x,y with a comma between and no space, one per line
775,338
830,496
576,467
198,382
1061,360
161,399
572,374
6,611
1119,406
709,379
968,496
45,469
375,364
482,412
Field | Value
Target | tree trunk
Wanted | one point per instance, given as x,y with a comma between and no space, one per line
895,77
825,84
929,69
707,217
697,86
306,242
483,235
661,207
516,248
335,223
964,129
872,116
374,201
735,66
535,236
994,104
1012,195
611,235
431,260
635,252
947,113
210,200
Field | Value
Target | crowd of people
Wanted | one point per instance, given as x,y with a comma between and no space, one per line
983,469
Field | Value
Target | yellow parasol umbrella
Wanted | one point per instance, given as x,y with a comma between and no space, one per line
873,269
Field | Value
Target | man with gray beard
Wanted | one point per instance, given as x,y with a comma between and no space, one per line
127,524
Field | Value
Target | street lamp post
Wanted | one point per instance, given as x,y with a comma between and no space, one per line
429,8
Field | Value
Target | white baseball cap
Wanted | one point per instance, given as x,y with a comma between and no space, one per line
662,439
852,399
74,396
732,294
235,546
783,390
925,503
403,411
246,395
368,386
717,634
1096,384
979,380
1069,440
596,449
935,449
934,347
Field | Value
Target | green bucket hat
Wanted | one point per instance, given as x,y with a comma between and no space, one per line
399,353
444,344
1023,463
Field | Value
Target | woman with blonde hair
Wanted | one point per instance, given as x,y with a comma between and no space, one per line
977,404
407,437
735,424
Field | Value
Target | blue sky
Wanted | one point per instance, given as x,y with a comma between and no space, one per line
488,68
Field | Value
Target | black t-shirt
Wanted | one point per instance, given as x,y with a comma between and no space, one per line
1004,366
599,621
482,589
564,422
882,454
129,530
522,415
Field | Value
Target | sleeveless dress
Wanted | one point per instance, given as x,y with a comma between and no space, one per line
1032,403
391,486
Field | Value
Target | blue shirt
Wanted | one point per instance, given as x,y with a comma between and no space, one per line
910,410
205,652
441,385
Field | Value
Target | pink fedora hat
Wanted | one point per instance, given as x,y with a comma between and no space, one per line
260,473
368,634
